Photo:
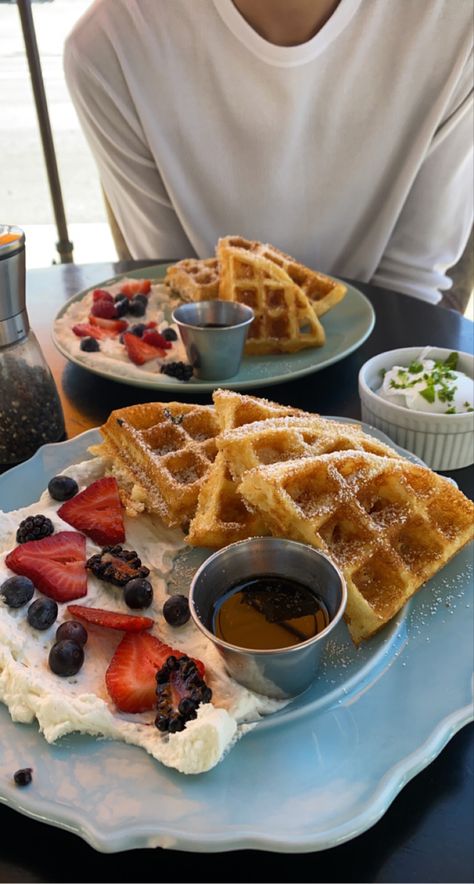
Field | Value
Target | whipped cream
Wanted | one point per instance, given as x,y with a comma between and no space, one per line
81,703
429,385
112,356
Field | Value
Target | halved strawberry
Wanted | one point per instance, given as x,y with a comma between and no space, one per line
138,351
136,287
97,512
131,675
114,326
101,295
111,619
56,565
155,339
86,330
104,309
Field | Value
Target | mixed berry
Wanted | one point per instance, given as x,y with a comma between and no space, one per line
180,690
34,528
117,565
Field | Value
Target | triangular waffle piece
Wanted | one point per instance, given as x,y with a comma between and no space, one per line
323,291
194,279
160,455
388,524
222,516
285,321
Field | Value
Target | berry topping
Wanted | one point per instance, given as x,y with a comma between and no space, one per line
151,336
42,613
66,658
56,565
87,330
110,619
97,511
72,630
169,334
17,591
137,305
138,351
176,610
101,295
131,675
23,777
34,528
136,287
106,309
179,370
62,487
138,593
138,329
180,690
121,305
116,565
113,326
89,345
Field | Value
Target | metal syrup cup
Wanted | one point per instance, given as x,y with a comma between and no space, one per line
279,672
214,353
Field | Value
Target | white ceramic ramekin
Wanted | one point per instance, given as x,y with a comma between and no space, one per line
442,441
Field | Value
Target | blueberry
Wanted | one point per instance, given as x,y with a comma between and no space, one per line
66,658
42,613
169,334
121,305
17,591
137,329
23,776
138,593
62,487
89,345
72,630
176,610
137,306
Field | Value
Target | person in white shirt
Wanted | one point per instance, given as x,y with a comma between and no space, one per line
340,131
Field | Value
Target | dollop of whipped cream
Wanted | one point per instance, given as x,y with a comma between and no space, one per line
429,385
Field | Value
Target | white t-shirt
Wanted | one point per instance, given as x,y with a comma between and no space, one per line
353,152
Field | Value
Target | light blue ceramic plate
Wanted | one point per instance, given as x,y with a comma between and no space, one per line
347,326
320,772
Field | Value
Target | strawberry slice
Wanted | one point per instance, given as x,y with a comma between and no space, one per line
56,565
102,295
97,512
136,287
86,330
111,619
138,351
131,675
114,326
155,339
104,309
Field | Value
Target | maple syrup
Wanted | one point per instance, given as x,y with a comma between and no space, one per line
266,612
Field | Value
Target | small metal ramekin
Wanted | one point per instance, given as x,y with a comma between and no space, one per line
283,672
214,353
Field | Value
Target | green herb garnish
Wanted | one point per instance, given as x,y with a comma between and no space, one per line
415,367
428,393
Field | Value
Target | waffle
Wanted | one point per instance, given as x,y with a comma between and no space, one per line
222,517
323,291
285,321
194,279
387,523
160,455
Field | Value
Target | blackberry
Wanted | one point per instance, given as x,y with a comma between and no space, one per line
169,334
34,528
17,591
62,487
116,565
23,777
72,630
89,345
66,658
42,613
179,370
176,610
138,593
180,690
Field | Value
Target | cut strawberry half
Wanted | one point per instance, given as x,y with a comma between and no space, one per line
111,619
131,675
101,295
155,339
97,511
86,330
104,309
138,351
137,287
56,565
114,326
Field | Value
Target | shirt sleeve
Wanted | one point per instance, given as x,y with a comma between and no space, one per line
128,172
434,225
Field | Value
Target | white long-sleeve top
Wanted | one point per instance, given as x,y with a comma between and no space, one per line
353,152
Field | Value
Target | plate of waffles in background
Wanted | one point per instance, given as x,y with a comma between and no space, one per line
122,329
384,703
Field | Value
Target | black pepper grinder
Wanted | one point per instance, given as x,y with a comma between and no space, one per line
30,409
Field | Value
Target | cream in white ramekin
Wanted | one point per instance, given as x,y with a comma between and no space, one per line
442,441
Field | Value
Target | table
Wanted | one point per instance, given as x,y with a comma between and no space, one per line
426,834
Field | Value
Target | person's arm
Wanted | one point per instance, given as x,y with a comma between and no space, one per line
128,172
434,225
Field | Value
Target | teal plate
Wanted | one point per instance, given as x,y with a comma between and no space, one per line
347,326
314,775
